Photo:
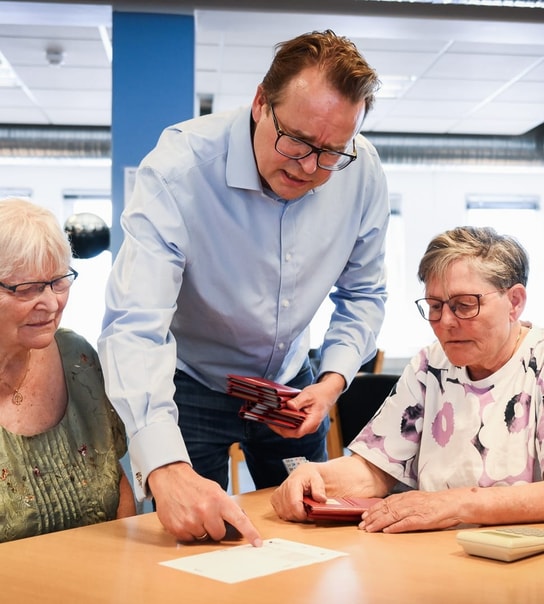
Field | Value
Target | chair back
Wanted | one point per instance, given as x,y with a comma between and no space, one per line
375,365
358,404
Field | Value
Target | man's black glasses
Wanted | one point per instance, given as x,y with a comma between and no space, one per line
296,148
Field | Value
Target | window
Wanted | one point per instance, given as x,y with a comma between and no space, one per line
519,216
388,339
15,192
396,307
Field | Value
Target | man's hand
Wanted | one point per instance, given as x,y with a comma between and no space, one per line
316,401
191,507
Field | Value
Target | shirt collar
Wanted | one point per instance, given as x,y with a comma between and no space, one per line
241,171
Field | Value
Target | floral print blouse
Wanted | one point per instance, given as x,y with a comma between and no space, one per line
439,429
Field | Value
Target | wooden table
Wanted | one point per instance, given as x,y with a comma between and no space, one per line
118,562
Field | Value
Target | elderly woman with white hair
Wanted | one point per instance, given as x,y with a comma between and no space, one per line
60,439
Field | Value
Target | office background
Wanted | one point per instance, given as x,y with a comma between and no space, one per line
458,122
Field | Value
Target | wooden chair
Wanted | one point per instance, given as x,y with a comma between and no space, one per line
375,365
236,457
334,435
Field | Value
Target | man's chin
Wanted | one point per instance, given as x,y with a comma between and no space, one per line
291,191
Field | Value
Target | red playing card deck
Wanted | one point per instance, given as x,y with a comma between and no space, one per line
265,401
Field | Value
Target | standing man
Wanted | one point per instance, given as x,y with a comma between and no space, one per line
239,226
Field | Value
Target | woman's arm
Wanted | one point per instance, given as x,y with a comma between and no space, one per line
419,510
127,505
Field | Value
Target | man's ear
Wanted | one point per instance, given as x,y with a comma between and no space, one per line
259,101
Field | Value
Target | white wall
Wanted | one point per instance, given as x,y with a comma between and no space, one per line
432,200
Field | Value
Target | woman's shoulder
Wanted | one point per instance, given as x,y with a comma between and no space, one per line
532,347
71,343
535,335
64,334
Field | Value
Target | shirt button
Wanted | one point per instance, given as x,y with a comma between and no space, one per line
288,256
281,346
285,303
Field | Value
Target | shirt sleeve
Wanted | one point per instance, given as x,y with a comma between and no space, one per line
360,293
136,348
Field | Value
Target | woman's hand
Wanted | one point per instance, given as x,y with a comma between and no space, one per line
287,498
348,476
413,511
420,510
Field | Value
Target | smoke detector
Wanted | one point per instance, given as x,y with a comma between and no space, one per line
54,55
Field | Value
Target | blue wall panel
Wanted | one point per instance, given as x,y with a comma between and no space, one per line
152,87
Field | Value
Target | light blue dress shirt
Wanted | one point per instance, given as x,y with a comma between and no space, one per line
217,275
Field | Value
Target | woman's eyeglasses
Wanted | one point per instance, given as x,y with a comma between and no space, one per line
32,289
463,306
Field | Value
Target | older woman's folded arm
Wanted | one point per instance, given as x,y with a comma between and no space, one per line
127,506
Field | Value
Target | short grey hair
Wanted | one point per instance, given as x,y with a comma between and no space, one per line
499,259
31,240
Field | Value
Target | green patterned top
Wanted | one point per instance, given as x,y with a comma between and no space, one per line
69,475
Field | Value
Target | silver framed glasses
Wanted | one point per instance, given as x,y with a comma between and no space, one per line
297,148
463,306
32,289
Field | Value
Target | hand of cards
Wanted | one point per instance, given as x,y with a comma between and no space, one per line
339,509
265,401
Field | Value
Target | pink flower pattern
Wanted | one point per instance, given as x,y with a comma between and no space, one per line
439,429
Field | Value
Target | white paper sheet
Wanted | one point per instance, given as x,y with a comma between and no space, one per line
243,562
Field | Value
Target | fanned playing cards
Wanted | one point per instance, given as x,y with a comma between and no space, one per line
265,401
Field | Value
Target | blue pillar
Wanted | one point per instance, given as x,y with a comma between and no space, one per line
152,87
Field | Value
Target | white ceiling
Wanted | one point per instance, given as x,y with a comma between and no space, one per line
439,75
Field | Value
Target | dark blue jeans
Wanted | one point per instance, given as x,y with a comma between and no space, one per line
209,423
